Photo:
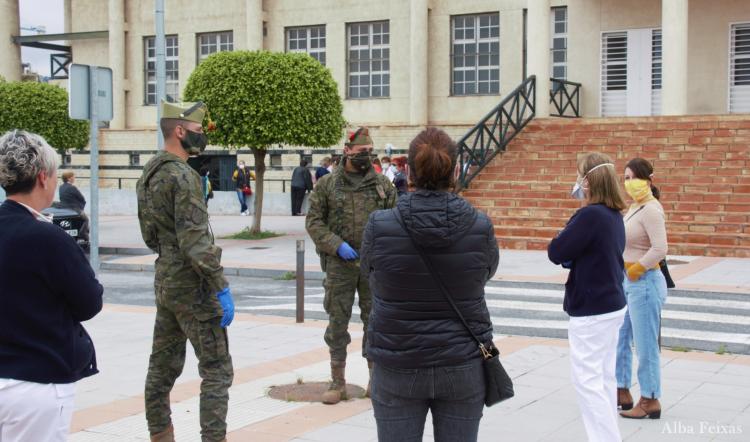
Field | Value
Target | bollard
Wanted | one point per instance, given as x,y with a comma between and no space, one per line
300,280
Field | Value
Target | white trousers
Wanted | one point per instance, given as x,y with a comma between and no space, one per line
593,357
31,412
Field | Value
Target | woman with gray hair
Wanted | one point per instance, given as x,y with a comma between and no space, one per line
46,289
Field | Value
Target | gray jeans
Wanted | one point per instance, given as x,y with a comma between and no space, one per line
454,394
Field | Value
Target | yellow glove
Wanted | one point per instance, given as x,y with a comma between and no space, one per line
635,271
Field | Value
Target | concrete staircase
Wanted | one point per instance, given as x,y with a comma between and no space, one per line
702,167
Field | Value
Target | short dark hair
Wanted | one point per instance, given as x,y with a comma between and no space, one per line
303,163
643,169
432,159
168,125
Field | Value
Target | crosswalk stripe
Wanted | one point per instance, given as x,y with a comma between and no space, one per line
696,335
666,314
548,324
671,300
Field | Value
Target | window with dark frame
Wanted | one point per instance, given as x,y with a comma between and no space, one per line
211,43
475,54
368,60
172,70
559,44
135,159
308,40
67,159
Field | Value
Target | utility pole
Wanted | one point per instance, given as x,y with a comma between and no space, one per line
161,69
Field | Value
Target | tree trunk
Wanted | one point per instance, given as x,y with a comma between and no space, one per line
260,171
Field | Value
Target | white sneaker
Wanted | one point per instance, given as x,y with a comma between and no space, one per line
243,213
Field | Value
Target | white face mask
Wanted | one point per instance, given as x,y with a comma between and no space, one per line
578,189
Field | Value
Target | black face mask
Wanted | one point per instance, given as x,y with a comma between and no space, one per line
194,142
361,161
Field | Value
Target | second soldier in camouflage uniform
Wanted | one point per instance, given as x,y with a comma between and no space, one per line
193,301
340,206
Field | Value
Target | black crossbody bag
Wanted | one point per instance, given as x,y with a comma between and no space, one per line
498,385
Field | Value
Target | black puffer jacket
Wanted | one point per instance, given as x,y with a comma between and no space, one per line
412,325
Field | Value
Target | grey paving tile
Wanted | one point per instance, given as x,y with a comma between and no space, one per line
684,364
687,412
366,419
526,395
535,380
340,432
718,402
735,370
735,391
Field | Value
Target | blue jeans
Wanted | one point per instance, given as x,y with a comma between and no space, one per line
401,398
645,299
243,200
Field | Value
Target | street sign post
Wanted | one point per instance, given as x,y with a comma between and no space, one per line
90,98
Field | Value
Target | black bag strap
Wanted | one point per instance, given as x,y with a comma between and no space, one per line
634,213
485,352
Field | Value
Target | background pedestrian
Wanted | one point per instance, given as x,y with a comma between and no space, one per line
301,184
242,177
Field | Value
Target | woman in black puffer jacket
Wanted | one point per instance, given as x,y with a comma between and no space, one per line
424,357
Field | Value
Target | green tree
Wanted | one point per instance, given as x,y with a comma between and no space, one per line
43,109
259,99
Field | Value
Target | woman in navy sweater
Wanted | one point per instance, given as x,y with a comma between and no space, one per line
46,289
591,246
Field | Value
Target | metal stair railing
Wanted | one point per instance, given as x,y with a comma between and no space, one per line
494,132
565,97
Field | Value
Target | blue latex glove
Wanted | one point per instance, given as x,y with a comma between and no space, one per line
227,304
567,264
346,252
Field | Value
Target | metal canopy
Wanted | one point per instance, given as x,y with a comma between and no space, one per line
24,40
50,46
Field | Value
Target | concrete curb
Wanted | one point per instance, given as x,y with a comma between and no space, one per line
128,251
228,271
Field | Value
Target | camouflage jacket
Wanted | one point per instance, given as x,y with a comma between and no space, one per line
340,208
174,224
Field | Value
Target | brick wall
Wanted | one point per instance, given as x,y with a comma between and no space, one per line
702,167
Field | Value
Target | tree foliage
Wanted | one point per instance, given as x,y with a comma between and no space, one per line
42,109
258,99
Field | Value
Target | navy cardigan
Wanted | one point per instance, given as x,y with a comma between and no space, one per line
46,289
591,245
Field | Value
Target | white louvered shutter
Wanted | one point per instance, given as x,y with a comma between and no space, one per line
739,69
656,72
614,82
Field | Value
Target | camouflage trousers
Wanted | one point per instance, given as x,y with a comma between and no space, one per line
194,315
342,280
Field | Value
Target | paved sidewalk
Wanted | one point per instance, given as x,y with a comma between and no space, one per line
706,396
121,236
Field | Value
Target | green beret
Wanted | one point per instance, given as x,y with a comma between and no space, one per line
360,137
184,111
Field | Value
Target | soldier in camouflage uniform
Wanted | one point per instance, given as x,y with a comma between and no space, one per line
340,206
193,301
